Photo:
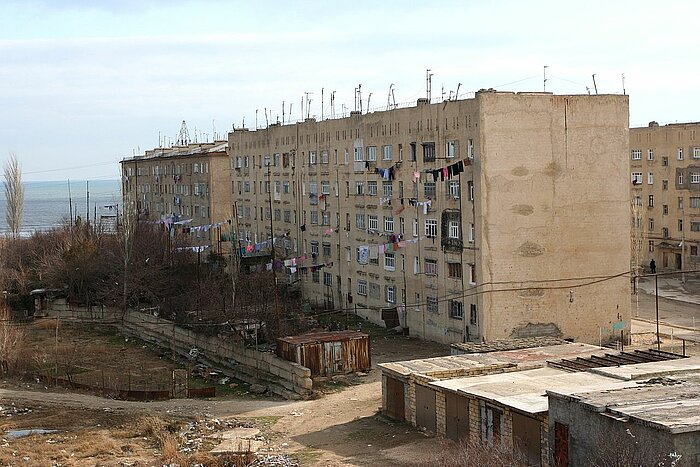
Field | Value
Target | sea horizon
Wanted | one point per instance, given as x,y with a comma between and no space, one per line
48,204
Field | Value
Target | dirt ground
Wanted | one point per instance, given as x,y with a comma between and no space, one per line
340,427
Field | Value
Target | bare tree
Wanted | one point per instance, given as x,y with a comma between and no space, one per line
11,339
14,194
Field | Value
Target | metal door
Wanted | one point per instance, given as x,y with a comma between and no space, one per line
425,408
561,445
456,417
395,402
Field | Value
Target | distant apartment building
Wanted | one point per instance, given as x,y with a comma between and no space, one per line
187,188
502,215
665,186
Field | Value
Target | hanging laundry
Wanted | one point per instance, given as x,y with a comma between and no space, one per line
373,252
426,205
363,254
416,176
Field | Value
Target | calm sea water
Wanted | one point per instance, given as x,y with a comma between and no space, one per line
47,205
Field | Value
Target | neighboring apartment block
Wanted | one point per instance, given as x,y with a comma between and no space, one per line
665,181
464,220
185,187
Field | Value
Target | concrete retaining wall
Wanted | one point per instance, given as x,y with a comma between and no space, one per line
286,379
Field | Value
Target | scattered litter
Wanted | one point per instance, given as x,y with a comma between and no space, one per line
14,434
296,414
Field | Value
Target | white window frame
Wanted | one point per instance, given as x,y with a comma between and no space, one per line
472,233
696,152
359,155
325,187
637,178
362,287
388,224
312,157
694,177
386,152
390,261
636,154
371,153
388,188
650,154
372,222
431,267
391,293
450,149
431,228
372,187
680,154
453,229
456,309
360,221
650,178
359,188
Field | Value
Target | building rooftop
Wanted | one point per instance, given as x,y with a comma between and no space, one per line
180,151
667,403
504,344
325,336
451,366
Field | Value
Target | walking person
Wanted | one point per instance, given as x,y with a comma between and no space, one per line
652,266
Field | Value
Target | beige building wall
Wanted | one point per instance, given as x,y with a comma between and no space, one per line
189,182
540,199
665,189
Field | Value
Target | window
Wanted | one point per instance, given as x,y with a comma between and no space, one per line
314,217
315,276
651,201
371,153
325,218
373,222
694,177
694,202
680,178
470,187
324,157
391,293
431,304
246,186
450,149
285,187
314,249
470,149
454,270
693,250
374,290
400,152
359,188
636,154
696,152
327,278
313,187
389,262
680,225
287,216
453,189
360,221
456,309
388,188
491,425
665,209
325,187
453,229
429,188
428,152
362,288
680,202
278,215
388,224
431,267
664,161
651,224
651,246
636,178
695,226
650,155
415,227
472,313
650,178
386,153
416,265
431,227
372,188
664,184
680,154
472,233
326,249
664,232
312,157
472,273
359,155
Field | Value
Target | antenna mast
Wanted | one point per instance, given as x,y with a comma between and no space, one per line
428,84
183,138
595,86
544,78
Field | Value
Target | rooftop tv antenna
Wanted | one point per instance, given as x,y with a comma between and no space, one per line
282,112
308,104
623,84
544,78
457,91
595,86
183,138
267,122
368,99
333,104
321,103
428,84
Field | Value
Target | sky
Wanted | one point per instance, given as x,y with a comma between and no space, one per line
85,83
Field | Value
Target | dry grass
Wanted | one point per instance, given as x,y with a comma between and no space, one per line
476,454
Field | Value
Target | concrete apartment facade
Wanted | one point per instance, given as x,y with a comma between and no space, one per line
665,181
189,184
464,220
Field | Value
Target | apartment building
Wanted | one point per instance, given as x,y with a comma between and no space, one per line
665,186
185,187
464,220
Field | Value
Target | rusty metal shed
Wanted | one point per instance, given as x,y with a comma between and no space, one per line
327,353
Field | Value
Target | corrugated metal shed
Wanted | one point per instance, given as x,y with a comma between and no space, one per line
327,353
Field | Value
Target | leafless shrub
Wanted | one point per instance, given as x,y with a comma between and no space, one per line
475,453
14,194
